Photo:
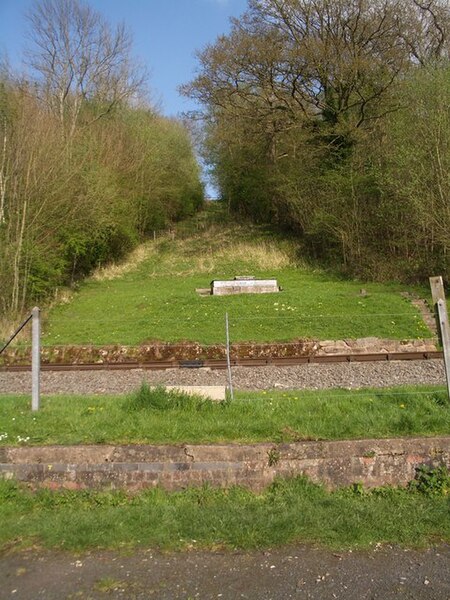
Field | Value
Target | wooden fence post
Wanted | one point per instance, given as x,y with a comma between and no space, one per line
440,307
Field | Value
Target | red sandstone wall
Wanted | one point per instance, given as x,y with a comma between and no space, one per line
336,464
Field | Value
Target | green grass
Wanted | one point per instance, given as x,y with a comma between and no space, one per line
152,297
251,417
288,511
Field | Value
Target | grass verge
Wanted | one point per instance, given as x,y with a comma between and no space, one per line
288,511
163,418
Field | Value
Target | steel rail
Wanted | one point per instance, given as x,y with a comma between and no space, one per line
237,362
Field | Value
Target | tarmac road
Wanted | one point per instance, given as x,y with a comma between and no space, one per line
299,572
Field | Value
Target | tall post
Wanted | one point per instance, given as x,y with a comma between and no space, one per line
230,381
440,306
35,358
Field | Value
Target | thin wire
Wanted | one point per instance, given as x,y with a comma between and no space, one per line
184,343
351,393
327,316
297,317
17,331
219,346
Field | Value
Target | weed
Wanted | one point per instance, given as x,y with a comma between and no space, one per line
108,584
273,456
228,397
405,423
158,398
358,489
431,481
370,454
441,399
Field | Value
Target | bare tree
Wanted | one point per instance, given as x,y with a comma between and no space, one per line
3,138
77,57
426,30
341,56
3,168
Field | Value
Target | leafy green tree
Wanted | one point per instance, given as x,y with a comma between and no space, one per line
311,109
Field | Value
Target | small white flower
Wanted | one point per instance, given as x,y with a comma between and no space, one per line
22,440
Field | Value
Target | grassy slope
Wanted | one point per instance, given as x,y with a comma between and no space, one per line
273,416
153,297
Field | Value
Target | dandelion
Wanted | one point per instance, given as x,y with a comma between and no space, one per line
402,406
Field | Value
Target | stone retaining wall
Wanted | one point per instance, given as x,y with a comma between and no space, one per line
336,464
116,354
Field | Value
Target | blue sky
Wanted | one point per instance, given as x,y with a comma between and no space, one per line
166,35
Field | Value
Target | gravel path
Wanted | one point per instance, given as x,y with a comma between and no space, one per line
297,572
308,376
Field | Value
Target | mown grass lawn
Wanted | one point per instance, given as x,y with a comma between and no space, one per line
165,418
153,297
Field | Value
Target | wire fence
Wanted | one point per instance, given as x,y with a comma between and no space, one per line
208,330
438,392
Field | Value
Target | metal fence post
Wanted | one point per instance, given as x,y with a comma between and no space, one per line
35,358
230,381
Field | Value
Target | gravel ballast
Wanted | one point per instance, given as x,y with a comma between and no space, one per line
308,376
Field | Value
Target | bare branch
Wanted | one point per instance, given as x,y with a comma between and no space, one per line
78,59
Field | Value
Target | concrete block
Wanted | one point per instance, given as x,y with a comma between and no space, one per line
211,392
244,285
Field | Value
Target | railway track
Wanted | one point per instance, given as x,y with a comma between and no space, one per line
241,362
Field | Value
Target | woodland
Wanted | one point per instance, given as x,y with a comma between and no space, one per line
88,168
331,120
327,119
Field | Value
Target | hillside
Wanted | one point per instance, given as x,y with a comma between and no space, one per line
152,296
